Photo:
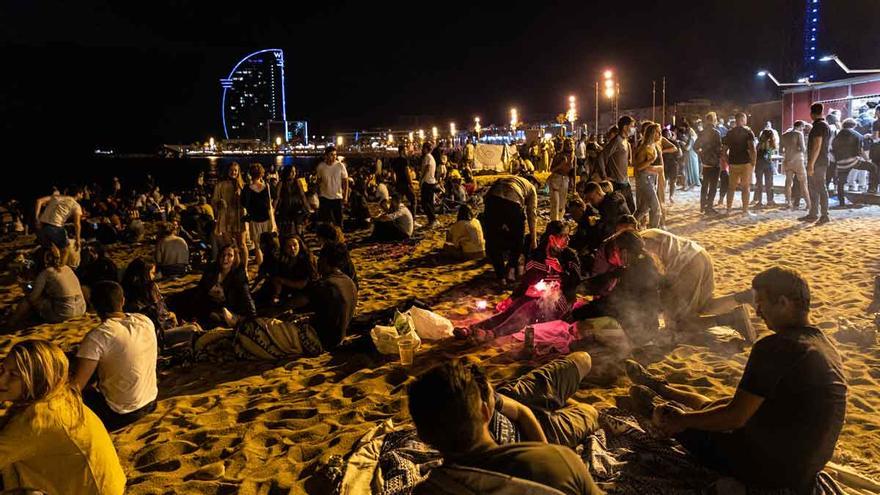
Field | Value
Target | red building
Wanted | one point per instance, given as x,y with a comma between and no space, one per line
850,96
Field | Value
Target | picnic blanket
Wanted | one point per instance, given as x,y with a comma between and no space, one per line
622,456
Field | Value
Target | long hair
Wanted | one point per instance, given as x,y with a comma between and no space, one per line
136,282
238,180
44,369
554,227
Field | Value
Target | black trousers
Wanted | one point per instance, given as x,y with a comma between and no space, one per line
426,197
504,227
625,189
387,232
764,180
709,187
843,173
330,210
409,194
112,420
724,185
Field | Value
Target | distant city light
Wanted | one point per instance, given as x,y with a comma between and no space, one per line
278,141
339,141
608,74
434,132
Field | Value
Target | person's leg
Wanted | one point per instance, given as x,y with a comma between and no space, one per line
724,186
819,174
550,386
745,183
554,198
759,181
842,175
426,198
734,180
768,183
641,376
563,197
788,182
626,190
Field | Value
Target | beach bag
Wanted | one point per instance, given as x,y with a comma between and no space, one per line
429,325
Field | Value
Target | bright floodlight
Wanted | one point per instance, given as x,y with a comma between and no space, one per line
608,74
609,92
609,83
762,73
571,99
827,58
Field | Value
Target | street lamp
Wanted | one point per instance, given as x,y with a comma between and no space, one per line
803,82
434,132
421,135
390,138
410,136
278,141
846,69
571,115
514,118
477,127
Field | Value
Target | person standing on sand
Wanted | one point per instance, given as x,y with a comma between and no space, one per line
510,203
817,165
780,427
428,184
402,179
792,146
558,182
450,415
708,146
230,227
740,142
256,199
58,210
332,188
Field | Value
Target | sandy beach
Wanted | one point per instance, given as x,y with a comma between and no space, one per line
260,428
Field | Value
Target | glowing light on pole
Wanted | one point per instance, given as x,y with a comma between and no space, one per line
477,127
421,135
339,141
452,132
390,138
514,119
278,141
571,115
410,136
211,143
434,133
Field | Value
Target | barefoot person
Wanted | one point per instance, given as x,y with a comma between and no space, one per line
740,143
535,406
510,203
780,427
49,441
449,414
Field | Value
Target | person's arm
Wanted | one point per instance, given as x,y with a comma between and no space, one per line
37,207
18,441
531,215
814,154
731,416
77,227
39,286
667,146
524,418
85,368
753,153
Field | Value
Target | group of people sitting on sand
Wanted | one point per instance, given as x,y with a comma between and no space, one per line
64,406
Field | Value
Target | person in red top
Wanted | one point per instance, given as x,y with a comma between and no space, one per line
546,290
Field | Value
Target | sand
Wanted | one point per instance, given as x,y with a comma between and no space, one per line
265,427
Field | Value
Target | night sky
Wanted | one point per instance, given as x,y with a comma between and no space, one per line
131,75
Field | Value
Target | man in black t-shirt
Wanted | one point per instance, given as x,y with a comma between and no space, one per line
781,426
449,414
402,179
740,143
817,165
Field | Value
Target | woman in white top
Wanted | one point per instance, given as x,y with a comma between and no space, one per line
56,294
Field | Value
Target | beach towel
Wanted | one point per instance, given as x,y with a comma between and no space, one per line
623,457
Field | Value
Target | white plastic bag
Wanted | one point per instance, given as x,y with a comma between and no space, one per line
385,338
430,325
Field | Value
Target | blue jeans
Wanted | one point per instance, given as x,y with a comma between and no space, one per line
646,197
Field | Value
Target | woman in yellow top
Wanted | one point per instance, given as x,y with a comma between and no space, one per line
49,441
465,241
646,173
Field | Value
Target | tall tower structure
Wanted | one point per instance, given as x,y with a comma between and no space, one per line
254,95
811,38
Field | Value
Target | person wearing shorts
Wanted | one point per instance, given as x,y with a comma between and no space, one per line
740,143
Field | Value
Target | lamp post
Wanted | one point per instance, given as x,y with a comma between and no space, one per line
611,90
571,115
477,127
846,69
434,133
452,132
765,73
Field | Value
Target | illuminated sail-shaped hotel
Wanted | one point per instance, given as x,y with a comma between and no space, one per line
253,95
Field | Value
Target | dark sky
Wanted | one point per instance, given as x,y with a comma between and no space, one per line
135,74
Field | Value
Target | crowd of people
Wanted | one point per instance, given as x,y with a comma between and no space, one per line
264,239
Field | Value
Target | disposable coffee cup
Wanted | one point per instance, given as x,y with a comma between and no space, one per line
407,350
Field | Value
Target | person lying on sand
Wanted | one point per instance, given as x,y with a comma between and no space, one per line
534,407
546,291
449,414
687,287
123,350
49,441
780,427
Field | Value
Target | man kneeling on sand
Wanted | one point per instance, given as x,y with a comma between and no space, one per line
123,349
781,426
450,415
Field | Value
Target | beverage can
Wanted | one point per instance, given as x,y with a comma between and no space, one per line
530,338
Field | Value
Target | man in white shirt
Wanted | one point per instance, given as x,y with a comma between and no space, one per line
332,187
428,184
58,210
123,349
396,224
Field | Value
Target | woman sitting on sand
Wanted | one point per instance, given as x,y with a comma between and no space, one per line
293,270
222,295
55,295
50,442
629,291
327,233
464,240
546,291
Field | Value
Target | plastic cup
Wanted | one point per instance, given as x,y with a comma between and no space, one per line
407,350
